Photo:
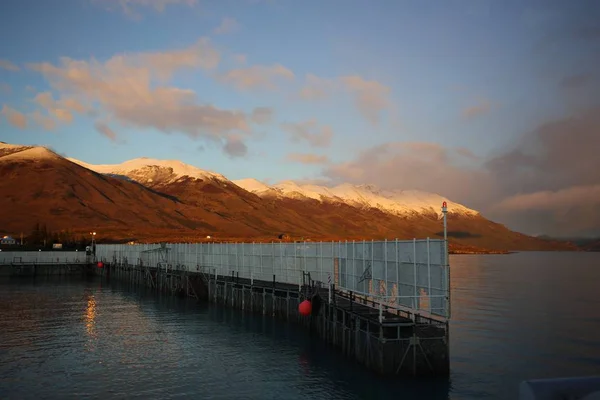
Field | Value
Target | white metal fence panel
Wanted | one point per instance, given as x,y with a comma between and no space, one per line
408,274
45,257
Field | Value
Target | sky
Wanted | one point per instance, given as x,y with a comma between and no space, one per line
493,104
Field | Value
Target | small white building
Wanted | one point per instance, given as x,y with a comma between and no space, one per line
7,240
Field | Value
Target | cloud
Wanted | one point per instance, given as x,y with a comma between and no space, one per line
309,131
307,158
256,77
239,59
262,115
467,153
235,147
150,65
14,117
133,90
370,97
5,88
228,25
5,64
576,196
199,55
481,108
61,110
43,121
413,165
105,130
549,179
317,88
128,7
574,210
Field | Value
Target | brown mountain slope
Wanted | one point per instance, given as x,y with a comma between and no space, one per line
326,221
338,221
37,185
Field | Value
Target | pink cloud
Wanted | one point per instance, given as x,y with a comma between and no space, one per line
370,97
14,117
307,158
133,90
257,77
5,64
309,131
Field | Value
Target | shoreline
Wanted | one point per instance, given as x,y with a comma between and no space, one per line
480,252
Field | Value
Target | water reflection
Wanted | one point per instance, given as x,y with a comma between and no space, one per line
90,316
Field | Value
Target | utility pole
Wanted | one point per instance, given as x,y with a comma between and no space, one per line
446,263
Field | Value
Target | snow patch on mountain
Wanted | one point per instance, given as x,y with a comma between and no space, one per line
9,152
252,185
402,202
152,171
4,145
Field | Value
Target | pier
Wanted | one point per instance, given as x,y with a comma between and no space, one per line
33,263
384,304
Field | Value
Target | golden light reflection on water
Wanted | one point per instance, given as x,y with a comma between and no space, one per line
90,316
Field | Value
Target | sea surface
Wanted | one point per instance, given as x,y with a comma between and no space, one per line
514,317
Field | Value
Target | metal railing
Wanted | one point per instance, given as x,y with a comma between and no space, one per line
41,257
404,274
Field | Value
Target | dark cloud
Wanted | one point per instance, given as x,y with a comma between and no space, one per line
309,131
234,147
566,22
105,130
576,81
549,182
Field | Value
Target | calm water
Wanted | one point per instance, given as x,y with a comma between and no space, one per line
527,315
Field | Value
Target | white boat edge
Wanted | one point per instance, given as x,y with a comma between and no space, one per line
575,388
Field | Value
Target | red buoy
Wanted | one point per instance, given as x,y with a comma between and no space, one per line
100,264
305,308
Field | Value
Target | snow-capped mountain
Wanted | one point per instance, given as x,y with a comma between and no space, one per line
153,172
150,171
157,200
402,202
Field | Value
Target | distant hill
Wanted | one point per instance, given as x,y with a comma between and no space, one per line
586,243
593,246
165,200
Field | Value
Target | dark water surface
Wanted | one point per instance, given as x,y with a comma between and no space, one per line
515,317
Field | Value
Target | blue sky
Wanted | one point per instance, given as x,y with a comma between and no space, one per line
339,79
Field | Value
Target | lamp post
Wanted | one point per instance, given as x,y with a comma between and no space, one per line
446,263
93,242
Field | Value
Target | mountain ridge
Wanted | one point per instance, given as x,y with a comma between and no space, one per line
163,172
150,202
